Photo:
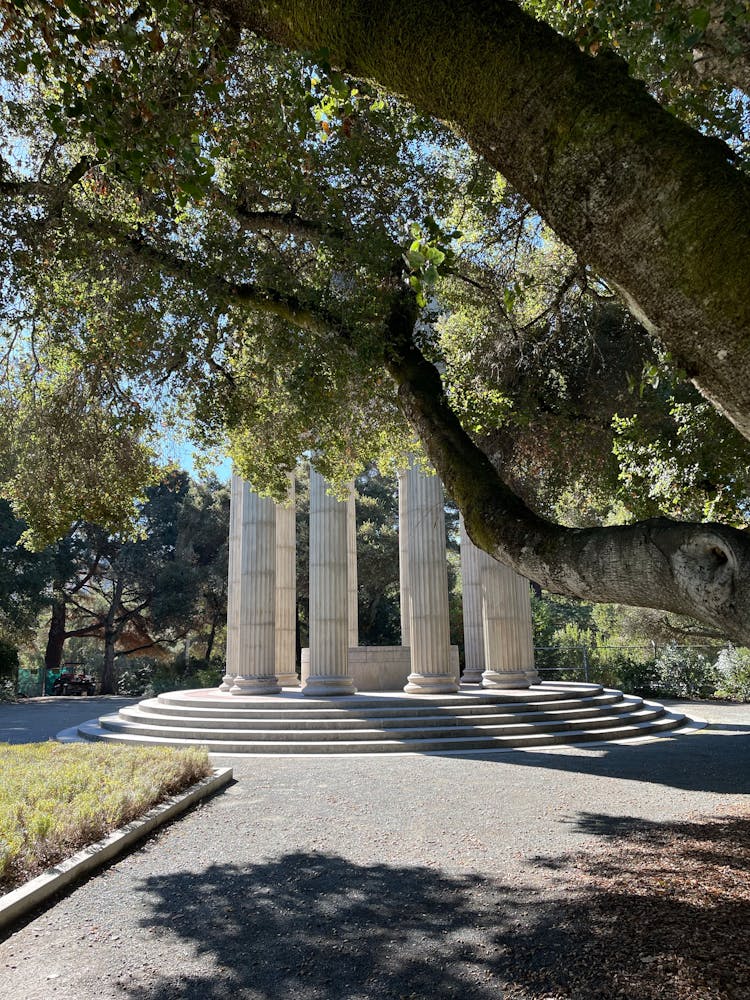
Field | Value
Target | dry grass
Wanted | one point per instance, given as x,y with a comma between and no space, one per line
55,798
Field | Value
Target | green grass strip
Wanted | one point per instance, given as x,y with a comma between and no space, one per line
57,798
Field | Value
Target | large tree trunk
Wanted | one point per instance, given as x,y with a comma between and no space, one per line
56,635
109,678
211,637
653,205
111,635
698,570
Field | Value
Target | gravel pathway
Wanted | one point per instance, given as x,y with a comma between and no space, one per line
352,878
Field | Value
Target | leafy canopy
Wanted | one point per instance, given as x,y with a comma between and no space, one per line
201,230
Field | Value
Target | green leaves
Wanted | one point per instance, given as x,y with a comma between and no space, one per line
429,250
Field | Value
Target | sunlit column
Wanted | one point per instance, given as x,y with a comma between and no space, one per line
472,609
233,583
329,619
508,643
403,554
255,640
286,591
351,567
429,624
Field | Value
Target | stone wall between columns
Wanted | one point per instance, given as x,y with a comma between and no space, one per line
379,668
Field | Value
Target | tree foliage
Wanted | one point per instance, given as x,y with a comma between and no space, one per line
203,227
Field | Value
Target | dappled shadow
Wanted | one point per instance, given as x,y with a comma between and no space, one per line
716,759
320,927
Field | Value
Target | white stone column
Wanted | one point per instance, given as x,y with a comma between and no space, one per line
429,625
403,553
329,620
508,642
233,582
351,567
286,591
472,609
255,643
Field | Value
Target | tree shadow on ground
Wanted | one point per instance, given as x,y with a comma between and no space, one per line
716,759
320,927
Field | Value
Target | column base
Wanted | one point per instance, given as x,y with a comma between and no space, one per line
287,680
472,675
226,682
431,684
320,686
255,685
533,677
495,679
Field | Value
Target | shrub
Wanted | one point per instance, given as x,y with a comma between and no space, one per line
8,671
684,672
733,669
636,676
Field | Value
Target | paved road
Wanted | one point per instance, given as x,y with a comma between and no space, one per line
364,878
34,720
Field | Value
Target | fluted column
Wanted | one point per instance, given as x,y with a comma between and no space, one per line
233,582
255,648
329,619
351,567
403,554
429,625
506,615
286,591
472,609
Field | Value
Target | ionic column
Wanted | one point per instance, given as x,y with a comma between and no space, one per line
403,554
472,609
329,620
255,643
286,591
233,582
508,643
429,625
351,567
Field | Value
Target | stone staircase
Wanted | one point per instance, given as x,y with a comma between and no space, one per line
473,720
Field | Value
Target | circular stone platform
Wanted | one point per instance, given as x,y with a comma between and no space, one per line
470,720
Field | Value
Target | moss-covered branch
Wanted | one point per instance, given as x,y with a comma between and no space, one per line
653,205
698,570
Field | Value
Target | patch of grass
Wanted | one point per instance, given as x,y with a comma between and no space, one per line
56,798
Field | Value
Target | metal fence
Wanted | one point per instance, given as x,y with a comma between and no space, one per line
577,662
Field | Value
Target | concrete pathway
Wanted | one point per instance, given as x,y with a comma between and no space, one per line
354,878
33,720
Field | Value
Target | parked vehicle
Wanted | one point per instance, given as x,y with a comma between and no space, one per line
73,681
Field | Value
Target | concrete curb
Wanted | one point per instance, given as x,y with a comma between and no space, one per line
18,902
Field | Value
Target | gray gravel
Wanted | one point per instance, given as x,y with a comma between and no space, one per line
353,878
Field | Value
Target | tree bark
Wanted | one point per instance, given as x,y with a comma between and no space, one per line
56,635
653,205
111,634
109,680
211,637
698,570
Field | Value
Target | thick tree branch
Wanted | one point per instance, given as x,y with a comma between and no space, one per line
698,570
265,300
654,206
287,223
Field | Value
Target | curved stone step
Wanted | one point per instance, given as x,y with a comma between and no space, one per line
115,723
292,699
625,728
577,711
545,714
355,711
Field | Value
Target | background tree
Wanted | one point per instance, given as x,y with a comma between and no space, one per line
144,592
237,214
